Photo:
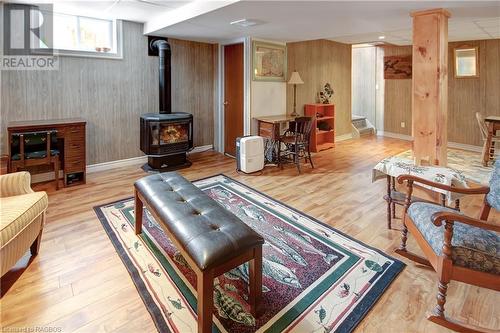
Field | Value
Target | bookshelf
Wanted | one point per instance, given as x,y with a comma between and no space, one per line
323,128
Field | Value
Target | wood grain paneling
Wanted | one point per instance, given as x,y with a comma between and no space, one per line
466,96
193,85
397,96
470,95
112,94
318,62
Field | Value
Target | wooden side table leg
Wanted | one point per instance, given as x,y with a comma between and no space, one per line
443,200
205,291
393,206
389,202
139,207
487,147
255,281
492,151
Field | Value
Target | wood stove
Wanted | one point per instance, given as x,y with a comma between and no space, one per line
166,136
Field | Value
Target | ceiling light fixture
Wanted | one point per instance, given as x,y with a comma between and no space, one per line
245,23
381,37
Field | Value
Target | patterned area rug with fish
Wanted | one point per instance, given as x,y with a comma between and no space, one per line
315,279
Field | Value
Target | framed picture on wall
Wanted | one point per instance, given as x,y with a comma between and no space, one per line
269,61
397,67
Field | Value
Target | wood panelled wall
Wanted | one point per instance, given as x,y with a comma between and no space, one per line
465,96
397,96
318,62
194,87
112,94
471,95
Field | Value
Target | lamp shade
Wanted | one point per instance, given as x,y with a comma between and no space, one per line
295,78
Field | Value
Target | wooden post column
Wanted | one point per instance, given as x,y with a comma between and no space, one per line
430,86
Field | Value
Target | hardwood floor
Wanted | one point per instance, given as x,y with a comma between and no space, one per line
78,282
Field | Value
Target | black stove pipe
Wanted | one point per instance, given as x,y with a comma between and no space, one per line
165,75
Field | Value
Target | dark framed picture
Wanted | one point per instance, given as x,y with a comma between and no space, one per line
397,67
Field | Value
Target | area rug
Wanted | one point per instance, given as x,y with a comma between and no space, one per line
315,279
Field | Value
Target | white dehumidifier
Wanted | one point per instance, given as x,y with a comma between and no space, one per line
250,153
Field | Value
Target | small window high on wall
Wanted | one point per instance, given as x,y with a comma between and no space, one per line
75,35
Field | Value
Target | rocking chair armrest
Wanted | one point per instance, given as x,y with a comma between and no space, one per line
450,217
468,191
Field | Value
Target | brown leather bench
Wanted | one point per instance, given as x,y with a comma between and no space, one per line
211,239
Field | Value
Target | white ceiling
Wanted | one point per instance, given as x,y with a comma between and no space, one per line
348,21
287,21
132,10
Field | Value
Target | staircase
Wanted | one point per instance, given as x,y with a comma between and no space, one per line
362,125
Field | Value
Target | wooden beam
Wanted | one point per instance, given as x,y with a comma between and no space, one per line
430,86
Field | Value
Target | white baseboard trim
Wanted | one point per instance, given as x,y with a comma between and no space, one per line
48,176
455,145
464,146
134,160
116,164
343,137
395,135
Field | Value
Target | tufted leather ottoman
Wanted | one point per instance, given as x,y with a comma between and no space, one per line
211,239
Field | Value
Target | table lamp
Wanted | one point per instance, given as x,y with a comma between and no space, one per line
295,79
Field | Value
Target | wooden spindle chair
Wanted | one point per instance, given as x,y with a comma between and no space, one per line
296,141
488,145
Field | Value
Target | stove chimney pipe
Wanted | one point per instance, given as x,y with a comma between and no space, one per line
164,54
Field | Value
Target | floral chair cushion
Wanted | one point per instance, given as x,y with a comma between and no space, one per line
472,247
493,197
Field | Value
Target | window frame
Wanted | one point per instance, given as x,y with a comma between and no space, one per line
457,50
116,33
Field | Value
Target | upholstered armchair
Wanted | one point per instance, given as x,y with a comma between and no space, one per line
22,215
457,246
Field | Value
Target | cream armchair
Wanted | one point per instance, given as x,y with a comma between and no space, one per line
22,215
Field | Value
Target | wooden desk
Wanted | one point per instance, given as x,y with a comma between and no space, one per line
269,127
71,142
493,125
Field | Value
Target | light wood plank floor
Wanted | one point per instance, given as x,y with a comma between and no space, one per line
78,282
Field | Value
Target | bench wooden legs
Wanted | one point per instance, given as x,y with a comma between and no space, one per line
205,279
139,207
205,290
255,281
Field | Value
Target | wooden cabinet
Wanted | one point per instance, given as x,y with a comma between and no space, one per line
323,129
71,142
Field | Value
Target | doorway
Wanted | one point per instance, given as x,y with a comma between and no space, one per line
233,96
364,87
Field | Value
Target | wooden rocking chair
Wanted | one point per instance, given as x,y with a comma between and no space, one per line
458,247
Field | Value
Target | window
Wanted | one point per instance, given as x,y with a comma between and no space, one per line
85,36
466,62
